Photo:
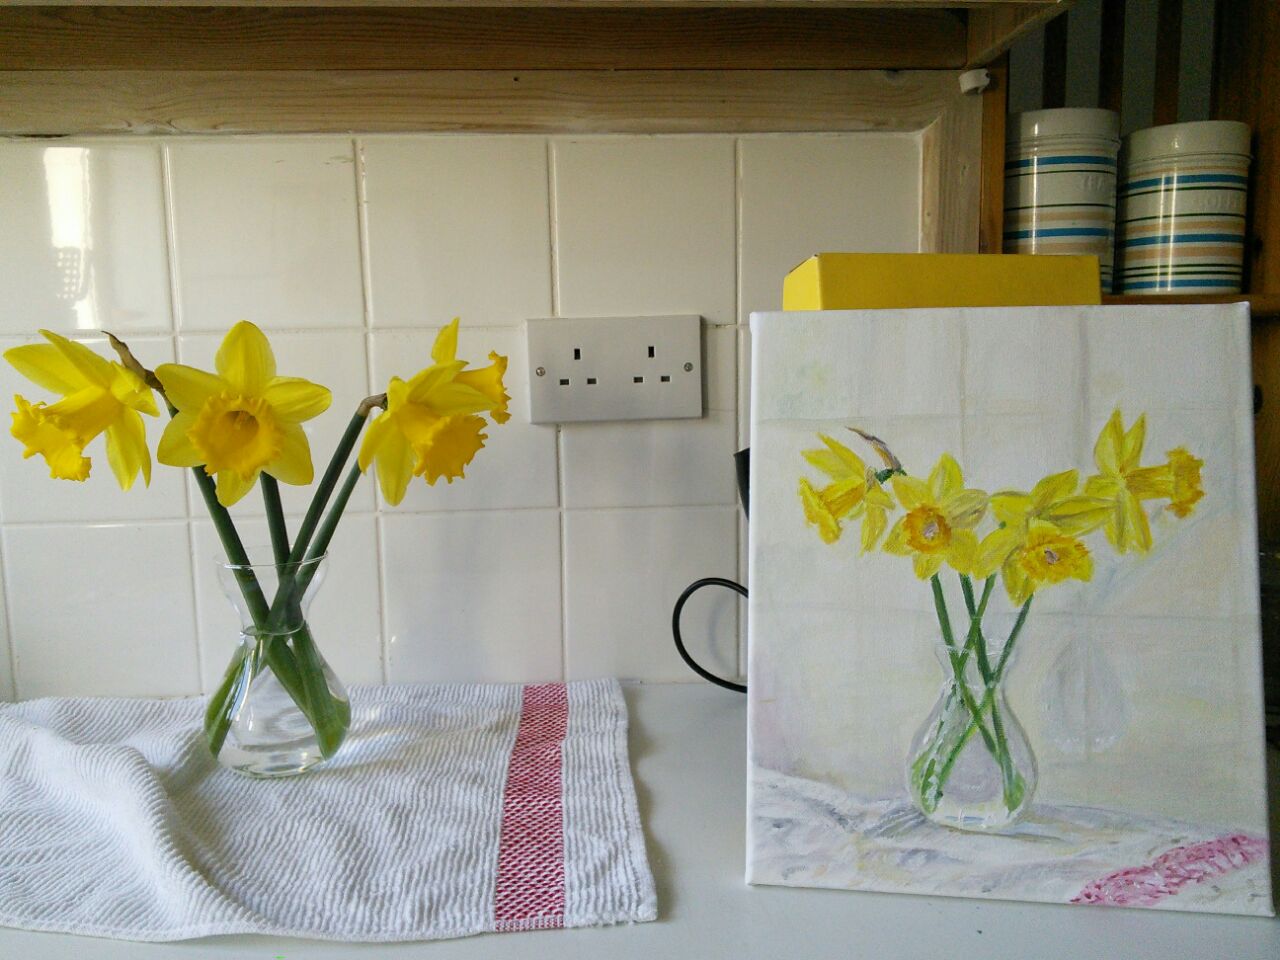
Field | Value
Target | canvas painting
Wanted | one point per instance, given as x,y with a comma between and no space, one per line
1003,631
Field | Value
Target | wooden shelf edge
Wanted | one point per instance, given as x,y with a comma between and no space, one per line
1260,304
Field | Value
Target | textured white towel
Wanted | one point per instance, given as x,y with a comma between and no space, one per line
451,810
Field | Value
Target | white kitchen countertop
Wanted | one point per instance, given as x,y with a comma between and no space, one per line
688,747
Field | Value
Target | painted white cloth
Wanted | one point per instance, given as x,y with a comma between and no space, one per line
810,834
451,810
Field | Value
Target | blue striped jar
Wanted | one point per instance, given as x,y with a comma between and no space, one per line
1182,208
1060,184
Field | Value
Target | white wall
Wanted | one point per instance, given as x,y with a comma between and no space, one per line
562,552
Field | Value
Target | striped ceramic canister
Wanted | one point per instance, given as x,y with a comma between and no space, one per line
1182,207
1060,184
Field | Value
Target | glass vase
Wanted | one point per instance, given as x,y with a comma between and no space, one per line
279,710
970,765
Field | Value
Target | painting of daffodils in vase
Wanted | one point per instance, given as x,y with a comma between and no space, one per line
1003,630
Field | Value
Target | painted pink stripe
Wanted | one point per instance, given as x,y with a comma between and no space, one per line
1170,872
529,891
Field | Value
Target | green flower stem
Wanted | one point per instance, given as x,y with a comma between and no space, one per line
1008,776
966,695
989,699
324,489
275,518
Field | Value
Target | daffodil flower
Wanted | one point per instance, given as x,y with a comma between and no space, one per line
854,492
938,525
243,420
1053,500
430,427
1125,483
98,396
1045,556
1185,489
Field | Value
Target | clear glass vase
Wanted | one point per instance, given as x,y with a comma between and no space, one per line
279,710
970,765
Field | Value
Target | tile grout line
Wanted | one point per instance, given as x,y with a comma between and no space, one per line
553,225
366,285
175,320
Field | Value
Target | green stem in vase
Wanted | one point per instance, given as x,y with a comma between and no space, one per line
957,666
1011,781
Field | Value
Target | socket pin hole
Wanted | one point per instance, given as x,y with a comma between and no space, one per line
564,382
590,381
651,353
577,353
637,379
664,378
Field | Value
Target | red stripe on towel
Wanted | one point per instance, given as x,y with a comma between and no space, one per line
1147,885
529,891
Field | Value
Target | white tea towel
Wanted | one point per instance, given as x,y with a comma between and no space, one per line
451,810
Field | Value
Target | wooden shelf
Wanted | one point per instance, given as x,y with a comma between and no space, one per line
1260,304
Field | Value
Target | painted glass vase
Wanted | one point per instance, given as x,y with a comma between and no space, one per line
279,710
970,765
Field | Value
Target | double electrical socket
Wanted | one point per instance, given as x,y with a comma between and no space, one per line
614,368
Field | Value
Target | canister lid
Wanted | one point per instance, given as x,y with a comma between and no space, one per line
1199,136
1065,122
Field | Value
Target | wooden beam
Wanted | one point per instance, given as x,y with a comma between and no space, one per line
1053,84
1111,56
995,105
1168,61
308,101
993,30
951,178
234,39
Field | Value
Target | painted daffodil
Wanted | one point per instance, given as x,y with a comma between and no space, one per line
242,420
431,426
1125,483
853,492
1045,557
1185,489
1054,501
98,396
938,525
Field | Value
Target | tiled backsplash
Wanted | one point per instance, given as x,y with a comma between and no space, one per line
563,550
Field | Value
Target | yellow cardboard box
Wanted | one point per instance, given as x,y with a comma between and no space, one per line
865,281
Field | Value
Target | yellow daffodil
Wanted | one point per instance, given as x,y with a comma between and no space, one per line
98,396
430,426
854,492
1053,500
243,420
1125,483
1045,556
938,525
1185,489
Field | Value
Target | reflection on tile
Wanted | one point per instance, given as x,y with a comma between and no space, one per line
645,226
125,628
344,613
83,244
472,597
27,493
458,226
800,196
625,569
650,463
517,465
266,231
331,358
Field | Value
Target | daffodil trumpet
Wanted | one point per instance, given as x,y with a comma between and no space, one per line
241,425
1034,540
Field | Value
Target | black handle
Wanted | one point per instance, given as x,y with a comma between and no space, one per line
675,629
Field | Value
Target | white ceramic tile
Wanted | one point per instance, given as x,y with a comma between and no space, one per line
720,350
332,358
83,244
266,231
801,195
744,387
27,493
101,610
517,465
344,615
625,569
650,463
645,226
458,226
472,597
